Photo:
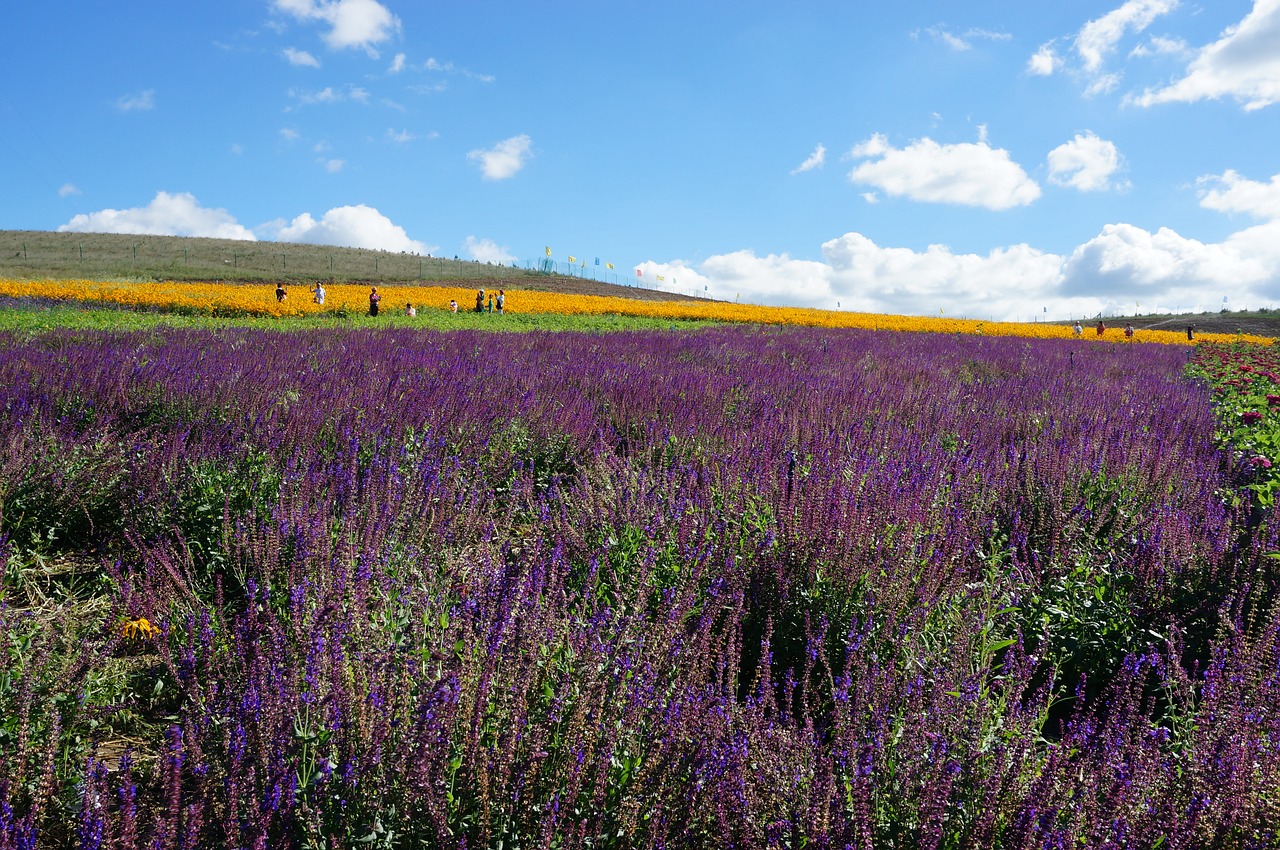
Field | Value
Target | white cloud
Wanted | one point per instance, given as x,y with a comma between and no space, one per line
1231,193
66,190
815,160
397,64
1244,63
969,174
300,57
1102,84
871,197
167,215
143,101
1085,163
965,40
432,64
504,159
236,149
327,95
333,166
356,226
1044,62
1173,268
1161,46
487,251
399,136
1122,266
289,134
352,23
1099,37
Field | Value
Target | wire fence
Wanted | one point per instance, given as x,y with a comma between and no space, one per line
601,274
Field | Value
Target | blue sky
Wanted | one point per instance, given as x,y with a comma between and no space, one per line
990,159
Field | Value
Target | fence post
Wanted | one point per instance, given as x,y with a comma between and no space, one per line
135,252
375,263
80,245
235,260
331,263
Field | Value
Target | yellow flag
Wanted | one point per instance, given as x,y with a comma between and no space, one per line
608,265
660,277
573,259
548,250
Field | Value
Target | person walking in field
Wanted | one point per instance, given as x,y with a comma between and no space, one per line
1101,328
280,293
409,311
453,306
490,308
1076,329
1128,331
480,301
502,297
374,298
318,293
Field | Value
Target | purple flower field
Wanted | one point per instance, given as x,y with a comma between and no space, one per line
727,588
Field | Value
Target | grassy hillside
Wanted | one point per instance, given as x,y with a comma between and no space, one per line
34,255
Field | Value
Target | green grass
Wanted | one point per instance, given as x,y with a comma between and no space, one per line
36,255
37,318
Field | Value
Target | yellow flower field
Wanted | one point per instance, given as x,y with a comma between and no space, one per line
260,300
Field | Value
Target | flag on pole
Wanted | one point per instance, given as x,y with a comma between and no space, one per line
597,261
608,265
639,273
548,250
584,262
660,277
573,259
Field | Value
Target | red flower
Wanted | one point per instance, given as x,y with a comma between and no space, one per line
1251,416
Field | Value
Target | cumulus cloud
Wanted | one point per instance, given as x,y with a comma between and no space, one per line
352,23
487,251
970,174
504,159
1086,163
356,226
1122,266
815,160
66,190
1044,62
397,64
1244,64
177,214
300,57
1168,266
143,101
1232,193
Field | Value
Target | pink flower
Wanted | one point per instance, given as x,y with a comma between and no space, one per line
1260,462
1251,416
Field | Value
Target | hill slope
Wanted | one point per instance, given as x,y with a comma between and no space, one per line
31,254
